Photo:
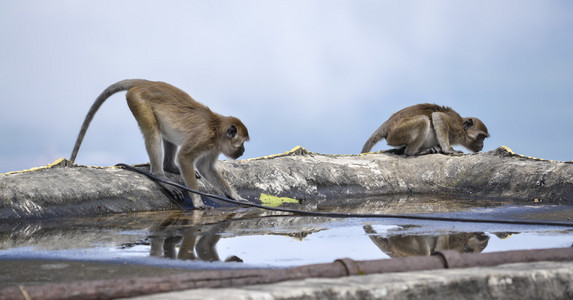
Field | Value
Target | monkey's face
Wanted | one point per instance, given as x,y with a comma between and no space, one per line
234,143
476,132
477,144
476,243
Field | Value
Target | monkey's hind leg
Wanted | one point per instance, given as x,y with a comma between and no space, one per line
411,132
398,150
170,150
153,142
169,159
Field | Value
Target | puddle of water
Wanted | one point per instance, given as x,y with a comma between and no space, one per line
329,245
255,238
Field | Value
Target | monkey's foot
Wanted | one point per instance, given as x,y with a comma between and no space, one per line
431,150
201,207
174,192
398,151
172,169
236,197
175,170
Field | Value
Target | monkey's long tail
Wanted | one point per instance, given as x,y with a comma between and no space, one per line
378,135
112,89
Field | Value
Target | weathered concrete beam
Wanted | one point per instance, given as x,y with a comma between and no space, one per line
65,189
498,174
544,280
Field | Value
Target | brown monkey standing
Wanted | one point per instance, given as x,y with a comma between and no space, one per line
429,128
169,116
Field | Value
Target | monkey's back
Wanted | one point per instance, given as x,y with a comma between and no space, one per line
173,107
420,109
416,110
168,96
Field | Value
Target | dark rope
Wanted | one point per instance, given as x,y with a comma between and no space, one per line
345,215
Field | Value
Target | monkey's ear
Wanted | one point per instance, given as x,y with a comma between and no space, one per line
231,131
468,123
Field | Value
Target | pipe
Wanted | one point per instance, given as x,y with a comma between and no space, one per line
130,287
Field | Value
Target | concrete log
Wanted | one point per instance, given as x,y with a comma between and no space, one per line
66,189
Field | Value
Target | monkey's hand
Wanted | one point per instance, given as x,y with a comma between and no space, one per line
198,202
236,197
201,207
451,151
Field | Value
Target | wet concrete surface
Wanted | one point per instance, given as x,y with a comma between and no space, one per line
169,242
42,271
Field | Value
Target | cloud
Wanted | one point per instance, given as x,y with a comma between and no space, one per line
322,74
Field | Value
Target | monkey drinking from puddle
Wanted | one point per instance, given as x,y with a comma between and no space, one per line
429,128
192,135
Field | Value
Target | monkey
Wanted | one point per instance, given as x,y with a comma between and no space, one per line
429,128
192,135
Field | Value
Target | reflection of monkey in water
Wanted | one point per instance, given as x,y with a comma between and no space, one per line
191,134
400,245
198,243
429,128
192,247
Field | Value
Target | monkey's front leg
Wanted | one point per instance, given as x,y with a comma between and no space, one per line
440,122
206,166
222,185
187,166
195,198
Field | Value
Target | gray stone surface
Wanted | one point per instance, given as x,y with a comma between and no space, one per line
64,189
76,191
544,280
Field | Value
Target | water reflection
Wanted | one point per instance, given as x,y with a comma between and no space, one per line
273,239
194,236
201,243
196,243
407,245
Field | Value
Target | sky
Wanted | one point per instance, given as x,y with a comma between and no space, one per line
320,74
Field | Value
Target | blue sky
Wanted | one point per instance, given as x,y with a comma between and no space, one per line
320,74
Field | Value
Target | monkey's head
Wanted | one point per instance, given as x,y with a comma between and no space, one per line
234,137
476,132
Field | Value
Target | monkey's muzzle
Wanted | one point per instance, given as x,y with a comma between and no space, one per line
477,147
238,152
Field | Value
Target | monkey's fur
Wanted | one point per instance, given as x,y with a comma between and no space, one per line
169,116
429,128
